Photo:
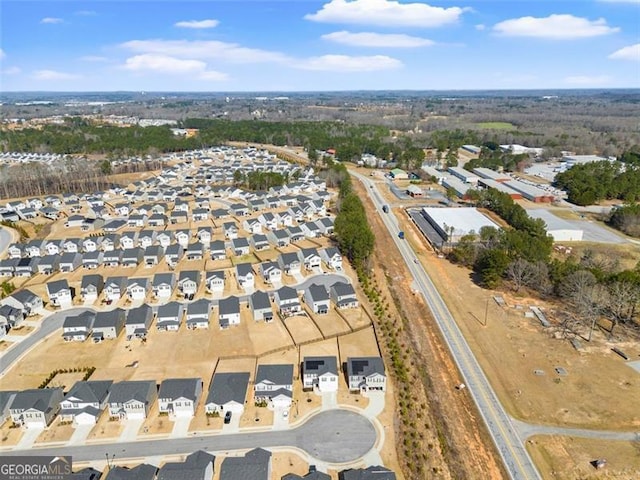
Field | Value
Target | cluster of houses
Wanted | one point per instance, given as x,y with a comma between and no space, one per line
85,402
253,465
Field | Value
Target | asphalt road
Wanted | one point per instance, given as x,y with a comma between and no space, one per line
333,436
48,326
5,239
517,461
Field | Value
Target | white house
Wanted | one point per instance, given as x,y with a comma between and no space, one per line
178,397
320,374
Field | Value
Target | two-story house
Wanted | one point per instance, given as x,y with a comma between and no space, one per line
85,402
179,397
366,374
320,373
274,383
132,399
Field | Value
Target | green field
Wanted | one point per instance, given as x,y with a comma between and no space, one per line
496,125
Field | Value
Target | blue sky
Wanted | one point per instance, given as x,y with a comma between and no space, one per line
301,45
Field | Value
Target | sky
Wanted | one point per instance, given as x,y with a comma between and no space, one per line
300,45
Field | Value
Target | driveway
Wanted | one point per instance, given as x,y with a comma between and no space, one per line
334,436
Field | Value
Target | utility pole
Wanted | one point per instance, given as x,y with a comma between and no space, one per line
486,312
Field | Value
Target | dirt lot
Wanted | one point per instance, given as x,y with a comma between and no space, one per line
302,329
57,432
359,344
156,424
66,380
10,436
570,458
330,324
106,429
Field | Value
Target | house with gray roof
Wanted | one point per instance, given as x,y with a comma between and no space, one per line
259,242
240,246
8,266
244,276
26,267
332,258
310,258
36,408
6,397
143,471
108,325
289,263
53,247
296,234
217,250
274,383
78,328
138,288
188,282
198,314
10,317
228,312
370,473
179,397
227,392
366,374
48,264
195,251
152,255
112,258
261,306
146,238
320,373
72,245
60,294
131,257
196,466
85,402
317,298
271,272
70,261
163,284
230,230
132,399
169,316
325,225
215,281
343,295
92,260
138,321
173,254
114,288
255,465
280,238
128,240
164,238
204,235
287,301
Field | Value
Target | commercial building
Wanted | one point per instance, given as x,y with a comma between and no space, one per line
561,230
453,223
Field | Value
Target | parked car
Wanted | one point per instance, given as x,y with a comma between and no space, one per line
227,417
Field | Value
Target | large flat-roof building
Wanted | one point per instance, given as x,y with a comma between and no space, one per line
530,192
484,172
500,186
561,230
453,223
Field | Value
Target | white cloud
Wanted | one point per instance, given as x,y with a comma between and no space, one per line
10,71
370,39
2,54
385,13
167,65
345,63
197,24
557,27
164,64
632,52
205,50
51,20
480,27
53,75
588,81
85,13
94,58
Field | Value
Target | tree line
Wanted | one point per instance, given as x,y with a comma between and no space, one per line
590,183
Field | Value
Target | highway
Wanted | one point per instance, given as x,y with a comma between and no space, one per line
515,457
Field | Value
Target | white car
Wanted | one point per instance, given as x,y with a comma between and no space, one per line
285,413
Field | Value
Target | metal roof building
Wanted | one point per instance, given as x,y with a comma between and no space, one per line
453,223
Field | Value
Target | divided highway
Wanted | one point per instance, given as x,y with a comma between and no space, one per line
516,459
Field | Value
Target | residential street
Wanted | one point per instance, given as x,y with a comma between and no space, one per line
334,436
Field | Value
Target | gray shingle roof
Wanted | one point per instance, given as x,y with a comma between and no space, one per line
364,366
94,391
369,473
253,466
193,467
179,388
227,387
229,305
276,374
320,365
140,390
139,472
260,300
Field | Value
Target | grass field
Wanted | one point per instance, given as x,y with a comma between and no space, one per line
496,125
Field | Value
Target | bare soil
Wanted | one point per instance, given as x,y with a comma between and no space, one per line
570,458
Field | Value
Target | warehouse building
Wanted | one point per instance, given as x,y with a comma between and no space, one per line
454,223
561,230
501,187
460,188
530,192
464,175
484,172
